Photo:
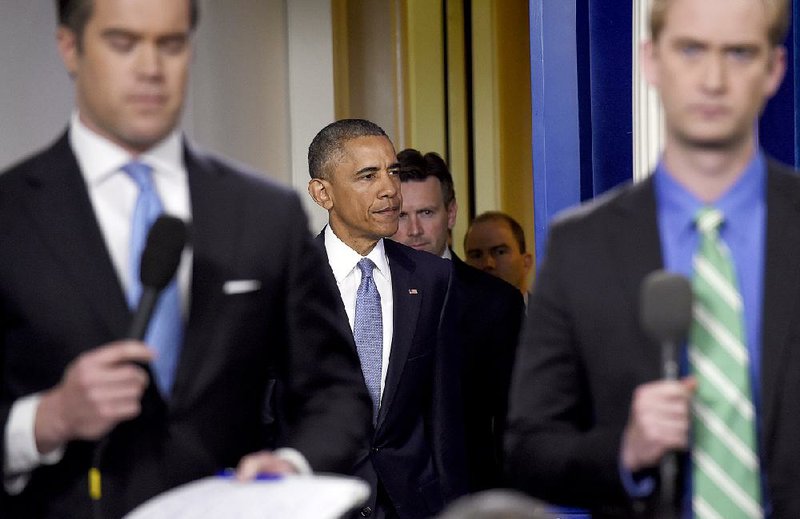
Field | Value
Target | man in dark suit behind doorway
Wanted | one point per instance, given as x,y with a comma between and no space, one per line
489,313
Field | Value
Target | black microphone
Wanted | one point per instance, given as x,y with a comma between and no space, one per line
665,312
160,259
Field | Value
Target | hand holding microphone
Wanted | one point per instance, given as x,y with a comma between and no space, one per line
160,259
103,387
659,417
660,411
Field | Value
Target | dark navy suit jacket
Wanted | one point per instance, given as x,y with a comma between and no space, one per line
60,296
408,455
583,352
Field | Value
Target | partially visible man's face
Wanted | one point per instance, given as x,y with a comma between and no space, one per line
714,69
132,68
364,193
425,222
491,247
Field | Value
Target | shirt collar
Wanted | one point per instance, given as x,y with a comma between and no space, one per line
100,158
343,259
735,203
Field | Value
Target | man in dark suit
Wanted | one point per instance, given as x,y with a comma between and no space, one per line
489,312
250,300
589,419
354,176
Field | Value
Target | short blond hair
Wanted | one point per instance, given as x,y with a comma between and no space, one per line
778,27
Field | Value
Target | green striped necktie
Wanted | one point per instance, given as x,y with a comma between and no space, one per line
725,465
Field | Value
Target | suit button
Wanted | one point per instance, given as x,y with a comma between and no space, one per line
375,449
366,511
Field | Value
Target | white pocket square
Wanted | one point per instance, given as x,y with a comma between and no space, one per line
240,286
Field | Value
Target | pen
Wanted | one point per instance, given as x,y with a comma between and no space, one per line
261,476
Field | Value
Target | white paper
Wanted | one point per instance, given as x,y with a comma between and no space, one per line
297,497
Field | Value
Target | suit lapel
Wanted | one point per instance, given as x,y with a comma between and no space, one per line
64,218
781,286
212,239
407,298
320,241
636,246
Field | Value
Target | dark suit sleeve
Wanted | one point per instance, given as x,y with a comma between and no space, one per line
327,407
555,448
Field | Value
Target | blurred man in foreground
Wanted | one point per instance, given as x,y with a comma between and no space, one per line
590,419
249,300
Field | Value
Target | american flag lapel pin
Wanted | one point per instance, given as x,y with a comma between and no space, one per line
413,291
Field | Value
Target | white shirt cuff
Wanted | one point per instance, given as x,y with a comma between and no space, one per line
21,454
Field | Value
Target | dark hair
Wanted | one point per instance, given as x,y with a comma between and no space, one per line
75,14
329,143
488,216
417,167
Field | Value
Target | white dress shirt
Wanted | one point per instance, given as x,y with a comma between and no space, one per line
344,263
113,195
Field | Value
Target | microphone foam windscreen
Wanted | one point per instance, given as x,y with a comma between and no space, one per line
162,252
665,306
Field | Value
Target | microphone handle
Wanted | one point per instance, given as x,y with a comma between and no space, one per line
137,331
668,472
669,360
147,303
668,469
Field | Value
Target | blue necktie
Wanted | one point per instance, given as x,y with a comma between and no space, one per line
165,331
368,332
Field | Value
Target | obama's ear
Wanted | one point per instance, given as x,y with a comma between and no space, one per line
319,189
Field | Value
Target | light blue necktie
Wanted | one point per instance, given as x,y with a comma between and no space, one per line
165,331
368,332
